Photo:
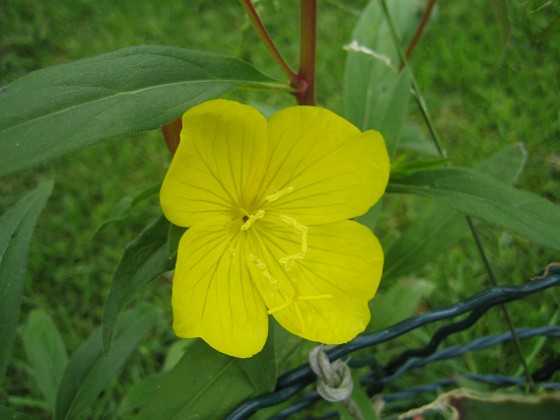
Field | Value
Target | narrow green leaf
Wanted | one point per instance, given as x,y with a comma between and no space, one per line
440,227
484,197
124,208
46,353
89,371
64,108
144,259
209,384
16,230
413,139
376,94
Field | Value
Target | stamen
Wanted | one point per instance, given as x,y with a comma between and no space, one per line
281,307
261,265
315,297
288,261
252,218
281,193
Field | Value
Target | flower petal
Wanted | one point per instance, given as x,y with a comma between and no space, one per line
324,295
213,295
321,168
212,171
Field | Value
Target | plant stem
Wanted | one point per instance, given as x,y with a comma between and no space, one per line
307,52
426,116
507,317
419,29
269,44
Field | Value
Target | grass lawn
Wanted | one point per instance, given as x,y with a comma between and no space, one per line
483,93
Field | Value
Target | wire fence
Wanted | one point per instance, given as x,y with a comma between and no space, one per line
380,375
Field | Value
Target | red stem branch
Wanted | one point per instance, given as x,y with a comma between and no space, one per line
420,29
268,43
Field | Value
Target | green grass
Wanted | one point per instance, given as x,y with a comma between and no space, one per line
483,97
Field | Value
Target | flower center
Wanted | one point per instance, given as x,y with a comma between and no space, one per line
249,219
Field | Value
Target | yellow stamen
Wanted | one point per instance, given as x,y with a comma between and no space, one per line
281,193
288,261
261,265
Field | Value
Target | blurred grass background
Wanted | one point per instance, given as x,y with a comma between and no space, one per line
482,93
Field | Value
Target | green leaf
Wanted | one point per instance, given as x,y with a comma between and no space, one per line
144,259
484,197
173,238
46,353
64,108
16,230
361,401
440,227
209,384
376,94
413,139
140,392
124,208
399,302
89,371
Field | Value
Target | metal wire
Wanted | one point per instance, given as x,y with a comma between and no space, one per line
292,382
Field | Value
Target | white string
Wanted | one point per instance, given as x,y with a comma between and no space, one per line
334,380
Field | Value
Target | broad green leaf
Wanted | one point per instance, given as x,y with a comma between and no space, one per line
89,370
376,94
285,344
16,230
440,227
209,384
9,414
64,108
144,259
482,196
140,392
46,353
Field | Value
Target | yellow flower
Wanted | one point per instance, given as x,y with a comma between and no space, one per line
267,204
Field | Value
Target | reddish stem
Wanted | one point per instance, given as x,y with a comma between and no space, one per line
171,134
307,52
419,29
268,43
